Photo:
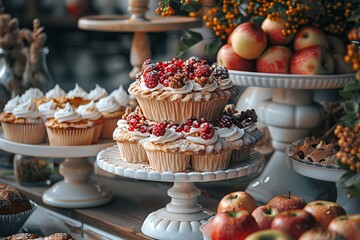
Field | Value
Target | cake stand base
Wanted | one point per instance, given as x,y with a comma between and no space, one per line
182,217
351,205
76,190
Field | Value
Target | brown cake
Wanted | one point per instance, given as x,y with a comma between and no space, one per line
22,236
12,201
59,236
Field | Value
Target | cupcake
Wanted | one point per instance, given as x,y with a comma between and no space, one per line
111,112
47,109
57,94
132,128
67,128
121,96
78,96
34,94
97,93
179,89
23,124
91,113
15,208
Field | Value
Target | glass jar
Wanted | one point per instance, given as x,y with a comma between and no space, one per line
32,171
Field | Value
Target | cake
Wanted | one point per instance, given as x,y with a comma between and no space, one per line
12,201
179,89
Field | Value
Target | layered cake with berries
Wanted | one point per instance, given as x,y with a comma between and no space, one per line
178,89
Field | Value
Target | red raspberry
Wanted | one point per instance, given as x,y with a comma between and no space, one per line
149,68
203,71
173,68
151,79
131,128
143,129
195,124
206,131
220,73
225,121
189,122
177,61
187,128
202,120
147,62
159,129
180,128
192,60
170,124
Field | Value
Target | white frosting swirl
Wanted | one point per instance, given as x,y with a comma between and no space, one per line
97,93
108,104
169,136
56,92
77,92
12,103
27,110
231,134
209,87
32,93
121,95
121,123
200,140
188,87
251,127
67,114
226,83
89,111
47,110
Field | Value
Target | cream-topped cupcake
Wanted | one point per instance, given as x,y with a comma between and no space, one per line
12,103
23,124
55,92
90,112
97,93
67,128
121,96
111,112
47,109
77,96
34,94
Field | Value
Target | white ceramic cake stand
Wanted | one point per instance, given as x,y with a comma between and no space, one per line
290,115
183,216
76,190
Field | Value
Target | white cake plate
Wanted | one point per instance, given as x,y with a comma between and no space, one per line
76,190
290,115
183,216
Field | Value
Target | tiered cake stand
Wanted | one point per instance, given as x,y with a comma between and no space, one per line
183,216
140,25
290,115
76,190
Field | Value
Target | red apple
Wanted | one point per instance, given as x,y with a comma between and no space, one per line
236,201
341,66
273,29
294,222
312,60
310,36
337,46
229,39
324,211
269,234
264,215
320,234
347,226
248,40
228,58
286,202
274,60
233,225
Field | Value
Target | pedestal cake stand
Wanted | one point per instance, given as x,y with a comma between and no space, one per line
183,216
76,190
140,25
290,115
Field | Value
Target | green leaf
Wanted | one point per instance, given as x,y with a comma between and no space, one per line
354,15
352,86
187,40
351,106
343,166
213,47
258,20
352,181
344,178
349,117
346,94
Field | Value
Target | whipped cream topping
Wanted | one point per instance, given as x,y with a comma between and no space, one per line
89,111
202,141
209,87
77,92
108,104
67,114
12,103
231,134
33,94
169,136
47,110
121,96
27,110
251,127
56,92
225,83
188,87
97,93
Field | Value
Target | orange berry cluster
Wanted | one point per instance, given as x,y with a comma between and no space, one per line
353,50
349,142
165,9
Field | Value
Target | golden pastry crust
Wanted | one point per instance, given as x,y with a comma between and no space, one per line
23,236
52,123
12,201
136,90
122,135
10,118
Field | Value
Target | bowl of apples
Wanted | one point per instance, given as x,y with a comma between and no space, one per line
284,217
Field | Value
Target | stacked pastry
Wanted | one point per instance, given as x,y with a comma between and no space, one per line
182,121
65,119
